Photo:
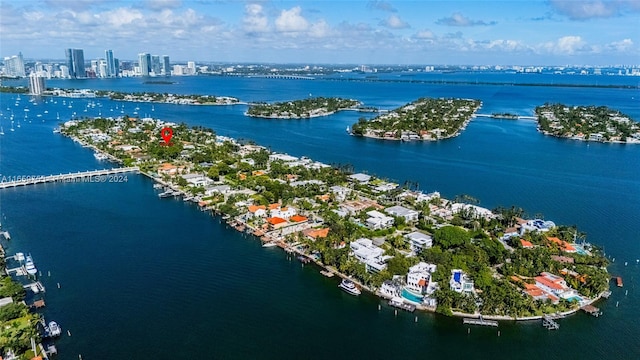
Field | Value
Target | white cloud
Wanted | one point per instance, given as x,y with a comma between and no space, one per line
320,29
121,16
255,21
622,45
290,21
566,45
457,19
424,34
163,4
381,5
394,22
590,9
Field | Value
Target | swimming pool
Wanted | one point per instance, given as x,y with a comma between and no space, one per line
411,296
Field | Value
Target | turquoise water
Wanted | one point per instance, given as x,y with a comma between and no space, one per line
411,296
143,277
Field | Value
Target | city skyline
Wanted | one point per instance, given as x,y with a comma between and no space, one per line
376,32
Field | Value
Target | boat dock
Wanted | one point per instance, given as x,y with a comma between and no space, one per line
81,176
591,310
398,303
549,323
480,321
36,287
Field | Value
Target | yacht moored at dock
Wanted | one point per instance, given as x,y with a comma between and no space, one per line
30,266
349,287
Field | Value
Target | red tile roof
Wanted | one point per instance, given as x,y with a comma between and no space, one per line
525,243
276,220
548,282
298,218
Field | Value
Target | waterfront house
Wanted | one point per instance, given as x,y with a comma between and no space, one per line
536,225
369,254
409,215
526,244
565,246
276,222
314,234
360,178
282,157
554,284
257,210
283,212
460,282
390,289
378,220
197,180
419,278
218,189
170,169
419,241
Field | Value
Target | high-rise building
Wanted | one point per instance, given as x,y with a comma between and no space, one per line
103,70
75,62
116,63
191,67
155,64
14,65
36,84
64,71
166,68
144,62
111,64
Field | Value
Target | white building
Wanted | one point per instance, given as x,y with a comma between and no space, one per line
536,225
360,178
369,254
197,180
409,215
36,84
378,220
419,278
284,212
460,282
419,241
340,192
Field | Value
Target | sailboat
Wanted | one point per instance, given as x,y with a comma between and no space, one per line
12,129
1,130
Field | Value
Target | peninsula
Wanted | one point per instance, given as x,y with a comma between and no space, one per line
423,119
418,249
301,109
587,123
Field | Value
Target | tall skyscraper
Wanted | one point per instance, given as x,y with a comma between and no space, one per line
144,61
111,64
75,62
116,62
36,84
14,65
166,68
155,64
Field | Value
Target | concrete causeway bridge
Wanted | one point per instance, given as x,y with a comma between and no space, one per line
105,175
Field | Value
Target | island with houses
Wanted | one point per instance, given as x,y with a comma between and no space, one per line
587,123
424,119
302,109
419,250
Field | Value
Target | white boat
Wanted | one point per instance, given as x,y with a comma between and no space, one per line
20,256
53,329
30,266
269,244
349,287
1,130
100,156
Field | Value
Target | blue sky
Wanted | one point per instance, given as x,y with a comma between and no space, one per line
551,32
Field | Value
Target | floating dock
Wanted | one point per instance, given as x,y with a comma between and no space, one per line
480,321
400,304
549,323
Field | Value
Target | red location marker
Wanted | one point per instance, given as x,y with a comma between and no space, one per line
166,134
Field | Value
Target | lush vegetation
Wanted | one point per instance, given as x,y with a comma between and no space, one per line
304,108
586,122
17,324
166,97
14,89
426,118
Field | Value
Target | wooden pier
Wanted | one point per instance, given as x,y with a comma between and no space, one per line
480,321
549,323
400,304
83,176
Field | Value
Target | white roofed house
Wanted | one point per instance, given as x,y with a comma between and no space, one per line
409,215
419,241
197,180
419,278
340,192
360,178
218,189
460,282
378,220
368,254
